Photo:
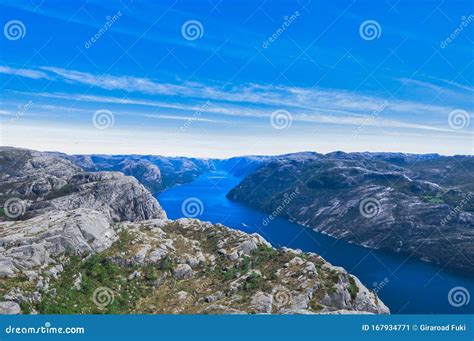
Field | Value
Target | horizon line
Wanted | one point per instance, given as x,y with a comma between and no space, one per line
242,155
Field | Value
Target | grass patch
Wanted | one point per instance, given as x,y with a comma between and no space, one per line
353,288
433,199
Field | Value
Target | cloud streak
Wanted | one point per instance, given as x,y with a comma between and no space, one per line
323,106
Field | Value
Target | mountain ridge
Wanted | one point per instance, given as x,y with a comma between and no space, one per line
99,242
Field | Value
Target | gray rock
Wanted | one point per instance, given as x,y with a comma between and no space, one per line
183,271
36,242
262,302
9,308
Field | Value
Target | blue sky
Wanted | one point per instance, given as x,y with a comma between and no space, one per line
254,77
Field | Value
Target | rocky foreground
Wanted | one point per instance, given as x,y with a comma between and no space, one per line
79,242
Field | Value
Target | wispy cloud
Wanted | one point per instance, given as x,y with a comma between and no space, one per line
325,106
183,118
35,74
272,95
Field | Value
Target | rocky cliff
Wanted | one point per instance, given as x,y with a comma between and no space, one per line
418,205
100,243
32,183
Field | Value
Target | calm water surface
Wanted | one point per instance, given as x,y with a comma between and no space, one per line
404,285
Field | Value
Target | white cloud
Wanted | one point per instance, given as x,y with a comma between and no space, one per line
324,106
35,74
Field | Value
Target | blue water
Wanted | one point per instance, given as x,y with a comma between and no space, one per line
406,286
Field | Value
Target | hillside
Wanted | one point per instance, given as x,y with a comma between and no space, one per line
78,242
416,205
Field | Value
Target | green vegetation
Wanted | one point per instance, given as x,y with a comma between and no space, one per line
353,288
165,264
65,190
263,254
241,267
252,282
98,271
438,199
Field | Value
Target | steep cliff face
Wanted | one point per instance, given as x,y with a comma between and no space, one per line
33,183
99,242
388,201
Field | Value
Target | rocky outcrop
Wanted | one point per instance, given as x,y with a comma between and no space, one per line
34,183
32,175
9,308
183,266
119,197
37,243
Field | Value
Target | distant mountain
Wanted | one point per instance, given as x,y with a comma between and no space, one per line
418,205
76,242
156,173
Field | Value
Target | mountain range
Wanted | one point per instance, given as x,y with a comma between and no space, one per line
73,241
415,205
84,220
